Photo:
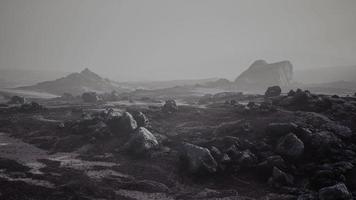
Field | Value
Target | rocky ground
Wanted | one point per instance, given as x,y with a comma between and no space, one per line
226,146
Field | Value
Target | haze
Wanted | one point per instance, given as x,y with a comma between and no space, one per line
161,40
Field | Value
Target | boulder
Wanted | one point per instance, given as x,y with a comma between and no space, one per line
90,97
141,142
141,119
273,91
339,130
323,141
338,191
170,106
290,146
17,100
280,178
122,125
198,159
274,130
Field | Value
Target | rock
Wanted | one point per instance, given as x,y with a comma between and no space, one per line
324,141
31,107
326,177
338,191
246,159
90,97
291,93
198,159
273,91
339,130
280,129
267,165
141,119
141,142
280,178
301,97
273,196
290,146
17,100
170,106
122,125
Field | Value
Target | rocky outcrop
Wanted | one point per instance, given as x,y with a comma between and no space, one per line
261,74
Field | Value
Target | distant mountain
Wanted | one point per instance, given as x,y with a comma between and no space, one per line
326,75
10,78
261,74
76,83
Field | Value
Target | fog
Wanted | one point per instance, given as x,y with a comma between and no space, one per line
161,40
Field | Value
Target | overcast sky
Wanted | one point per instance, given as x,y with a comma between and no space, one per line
181,39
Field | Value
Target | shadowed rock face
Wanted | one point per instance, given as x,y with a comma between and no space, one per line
260,75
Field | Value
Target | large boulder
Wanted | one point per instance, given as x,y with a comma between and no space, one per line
17,100
260,74
274,130
290,146
170,106
273,91
338,191
90,97
280,178
141,142
122,124
198,159
141,119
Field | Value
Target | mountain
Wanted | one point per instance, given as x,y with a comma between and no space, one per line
76,83
261,74
10,78
326,75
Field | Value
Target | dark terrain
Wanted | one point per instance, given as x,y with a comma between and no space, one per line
223,146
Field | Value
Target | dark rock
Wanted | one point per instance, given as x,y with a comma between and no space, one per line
290,146
280,178
141,119
280,129
339,130
31,107
335,192
90,97
141,142
198,159
324,178
273,196
291,93
267,165
170,106
246,159
17,100
122,125
273,91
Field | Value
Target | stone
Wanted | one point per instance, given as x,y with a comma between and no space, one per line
273,91
170,106
141,142
90,97
280,178
198,159
17,100
290,146
335,192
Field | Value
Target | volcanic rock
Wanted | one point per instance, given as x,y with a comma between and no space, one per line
170,106
290,146
338,191
273,91
141,142
198,159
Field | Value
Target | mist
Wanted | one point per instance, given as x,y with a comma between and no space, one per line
165,40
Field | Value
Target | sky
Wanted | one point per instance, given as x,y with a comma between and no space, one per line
175,39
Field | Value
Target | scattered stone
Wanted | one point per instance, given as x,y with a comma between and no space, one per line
338,191
141,142
273,91
280,178
17,100
198,159
170,106
90,97
290,146
280,129
141,119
